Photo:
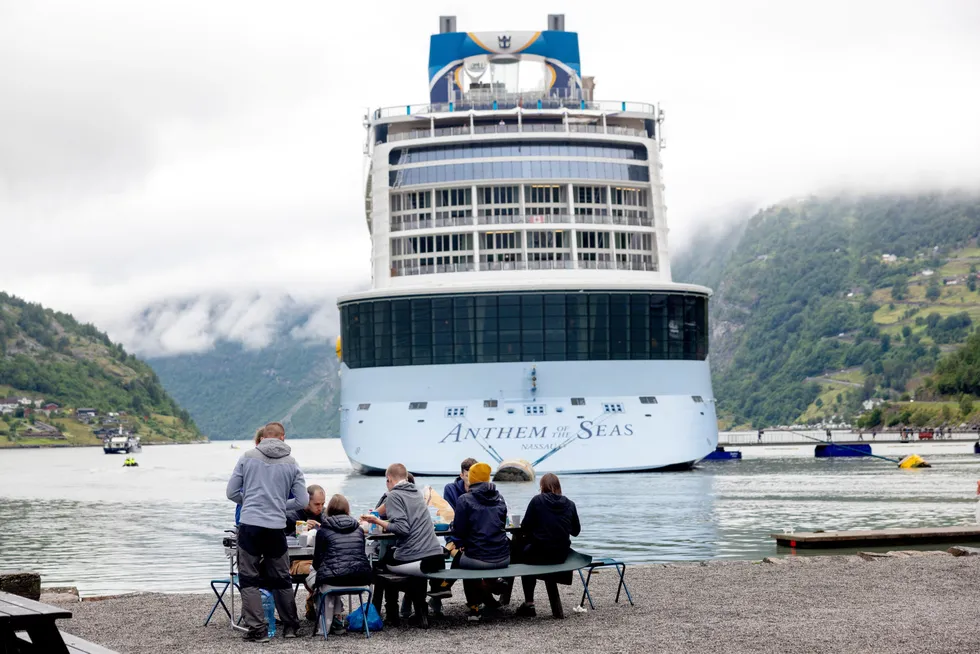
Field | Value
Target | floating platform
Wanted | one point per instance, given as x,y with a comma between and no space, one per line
828,450
720,454
514,470
880,537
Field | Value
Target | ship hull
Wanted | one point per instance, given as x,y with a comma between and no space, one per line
494,411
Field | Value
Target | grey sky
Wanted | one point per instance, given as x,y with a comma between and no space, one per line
151,151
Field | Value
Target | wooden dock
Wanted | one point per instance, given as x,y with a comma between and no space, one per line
880,537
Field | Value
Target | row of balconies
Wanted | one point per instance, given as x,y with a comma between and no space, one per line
566,264
468,130
462,221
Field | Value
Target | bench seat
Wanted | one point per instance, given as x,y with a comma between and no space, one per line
78,646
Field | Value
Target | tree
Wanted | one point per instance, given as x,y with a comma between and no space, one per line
966,405
906,331
932,291
900,289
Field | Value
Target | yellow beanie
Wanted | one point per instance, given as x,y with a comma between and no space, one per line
479,472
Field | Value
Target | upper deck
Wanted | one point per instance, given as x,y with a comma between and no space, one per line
513,172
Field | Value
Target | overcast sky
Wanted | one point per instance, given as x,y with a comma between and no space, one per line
151,151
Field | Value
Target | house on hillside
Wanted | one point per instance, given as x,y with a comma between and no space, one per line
928,273
86,415
889,258
49,408
8,405
25,401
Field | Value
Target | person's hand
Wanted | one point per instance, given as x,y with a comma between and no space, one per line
312,524
373,519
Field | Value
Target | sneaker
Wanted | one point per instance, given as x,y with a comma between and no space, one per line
337,626
526,610
474,614
491,604
256,637
436,605
290,631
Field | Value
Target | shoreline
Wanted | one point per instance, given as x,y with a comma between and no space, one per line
904,601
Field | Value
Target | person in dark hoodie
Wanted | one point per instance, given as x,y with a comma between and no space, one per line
417,551
262,482
479,525
457,487
548,523
339,558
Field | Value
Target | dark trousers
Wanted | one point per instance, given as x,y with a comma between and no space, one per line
524,552
263,562
476,589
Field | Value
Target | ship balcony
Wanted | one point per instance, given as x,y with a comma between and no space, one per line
512,101
465,221
523,128
566,264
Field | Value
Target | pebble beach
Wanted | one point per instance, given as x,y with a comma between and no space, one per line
898,603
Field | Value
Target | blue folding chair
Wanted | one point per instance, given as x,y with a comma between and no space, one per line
619,566
220,595
360,591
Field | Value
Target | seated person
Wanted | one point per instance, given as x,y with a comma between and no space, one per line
548,523
457,487
312,515
338,558
481,517
417,551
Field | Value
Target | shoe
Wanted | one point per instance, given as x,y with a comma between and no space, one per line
420,621
290,631
526,610
392,620
474,614
491,604
337,626
435,604
256,637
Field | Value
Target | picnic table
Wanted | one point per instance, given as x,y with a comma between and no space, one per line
37,620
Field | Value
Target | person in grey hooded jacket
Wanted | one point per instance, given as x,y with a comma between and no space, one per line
263,480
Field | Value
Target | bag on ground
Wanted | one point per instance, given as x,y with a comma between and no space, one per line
355,621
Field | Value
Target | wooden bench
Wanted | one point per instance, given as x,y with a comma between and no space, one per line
547,573
78,646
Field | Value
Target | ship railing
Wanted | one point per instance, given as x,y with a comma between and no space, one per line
507,103
562,264
464,130
519,219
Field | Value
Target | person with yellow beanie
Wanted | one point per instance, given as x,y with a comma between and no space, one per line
479,525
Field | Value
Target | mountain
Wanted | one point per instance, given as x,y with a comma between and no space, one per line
50,356
824,304
266,359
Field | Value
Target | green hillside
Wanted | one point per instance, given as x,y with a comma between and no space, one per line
810,319
231,390
50,356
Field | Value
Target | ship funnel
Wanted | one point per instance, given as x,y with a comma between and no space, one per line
447,24
556,22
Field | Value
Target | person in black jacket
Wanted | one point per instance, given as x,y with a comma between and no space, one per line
339,559
548,523
481,516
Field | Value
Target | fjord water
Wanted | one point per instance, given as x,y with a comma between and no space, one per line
79,518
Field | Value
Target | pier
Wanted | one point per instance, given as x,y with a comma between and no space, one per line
880,537
843,436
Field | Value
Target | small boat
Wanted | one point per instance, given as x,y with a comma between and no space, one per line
833,450
122,444
130,463
514,470
976,447
720,454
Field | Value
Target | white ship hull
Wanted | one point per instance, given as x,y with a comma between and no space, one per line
613,431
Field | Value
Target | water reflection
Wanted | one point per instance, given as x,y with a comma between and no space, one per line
81,519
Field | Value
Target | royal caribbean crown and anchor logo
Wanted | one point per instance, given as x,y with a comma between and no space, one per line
503,42
542,437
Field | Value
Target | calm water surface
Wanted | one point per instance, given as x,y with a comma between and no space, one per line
80,518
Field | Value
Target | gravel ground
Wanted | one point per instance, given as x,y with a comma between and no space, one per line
901,604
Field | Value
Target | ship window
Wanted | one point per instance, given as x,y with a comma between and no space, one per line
697,399
648,399
510,170
578,401
613,407
363,407
455,411
417,405
534,410
516,327
489,404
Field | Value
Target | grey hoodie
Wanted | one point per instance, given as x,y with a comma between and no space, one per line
262,481
409,520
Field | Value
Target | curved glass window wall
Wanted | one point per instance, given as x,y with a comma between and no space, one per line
546,169
501,327
400,156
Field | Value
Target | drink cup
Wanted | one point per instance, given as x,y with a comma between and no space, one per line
515,520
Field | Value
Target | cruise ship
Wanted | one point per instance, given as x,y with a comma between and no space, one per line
521,304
